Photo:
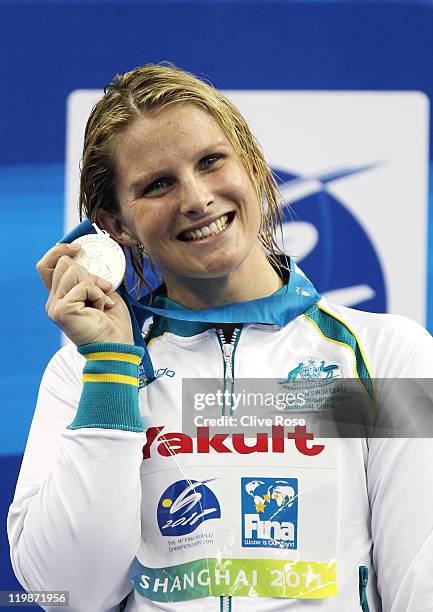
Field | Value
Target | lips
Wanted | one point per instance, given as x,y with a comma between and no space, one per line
205,231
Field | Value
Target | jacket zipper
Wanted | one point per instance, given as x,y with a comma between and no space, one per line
363,580
225,604
228,350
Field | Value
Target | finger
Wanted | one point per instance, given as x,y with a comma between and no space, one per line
103,284
65,276
91,293
75,274
65,281
62,266
46,265
85,292
65,264
109,303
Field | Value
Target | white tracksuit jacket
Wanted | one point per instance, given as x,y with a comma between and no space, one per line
277,527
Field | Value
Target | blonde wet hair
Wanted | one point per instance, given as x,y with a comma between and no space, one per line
154,87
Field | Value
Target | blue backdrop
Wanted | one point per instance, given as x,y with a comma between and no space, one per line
48,49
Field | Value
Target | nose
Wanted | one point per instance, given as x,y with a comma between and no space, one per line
196,197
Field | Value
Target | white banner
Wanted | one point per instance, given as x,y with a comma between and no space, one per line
354,167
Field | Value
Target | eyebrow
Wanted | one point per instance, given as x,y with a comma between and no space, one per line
152,176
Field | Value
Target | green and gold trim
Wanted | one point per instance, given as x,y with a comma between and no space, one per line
109,399
333,329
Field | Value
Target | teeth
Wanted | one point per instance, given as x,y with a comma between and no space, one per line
214,228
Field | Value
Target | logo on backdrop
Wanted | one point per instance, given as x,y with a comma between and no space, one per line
320,232
269,512
186,504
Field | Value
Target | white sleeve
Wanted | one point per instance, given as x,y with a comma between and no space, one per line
74,523
400,486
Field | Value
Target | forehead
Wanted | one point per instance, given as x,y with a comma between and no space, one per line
174,131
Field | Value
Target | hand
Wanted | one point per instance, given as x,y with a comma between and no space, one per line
78,302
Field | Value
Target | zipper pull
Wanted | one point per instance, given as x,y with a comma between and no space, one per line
228,352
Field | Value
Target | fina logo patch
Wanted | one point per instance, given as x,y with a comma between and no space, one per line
270,512
186,504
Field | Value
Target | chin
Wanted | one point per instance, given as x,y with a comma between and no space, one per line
219,268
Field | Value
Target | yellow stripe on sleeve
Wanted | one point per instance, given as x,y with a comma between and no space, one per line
107,356
116,378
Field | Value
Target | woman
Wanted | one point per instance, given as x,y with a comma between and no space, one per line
119,505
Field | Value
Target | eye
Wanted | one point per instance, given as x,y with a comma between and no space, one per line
157,186
210,160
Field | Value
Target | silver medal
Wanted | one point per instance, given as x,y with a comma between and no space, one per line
102,256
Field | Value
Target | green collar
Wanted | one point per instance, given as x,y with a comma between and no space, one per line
176,326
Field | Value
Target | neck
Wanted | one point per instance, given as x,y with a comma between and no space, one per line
243,284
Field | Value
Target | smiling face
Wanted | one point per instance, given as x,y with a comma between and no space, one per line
185,195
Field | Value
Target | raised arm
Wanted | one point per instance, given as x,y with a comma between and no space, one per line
75,520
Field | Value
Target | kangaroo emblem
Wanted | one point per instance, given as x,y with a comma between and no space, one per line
294,373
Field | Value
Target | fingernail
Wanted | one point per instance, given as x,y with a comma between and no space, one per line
75,247
110,301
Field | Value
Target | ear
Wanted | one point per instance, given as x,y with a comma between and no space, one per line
113,225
